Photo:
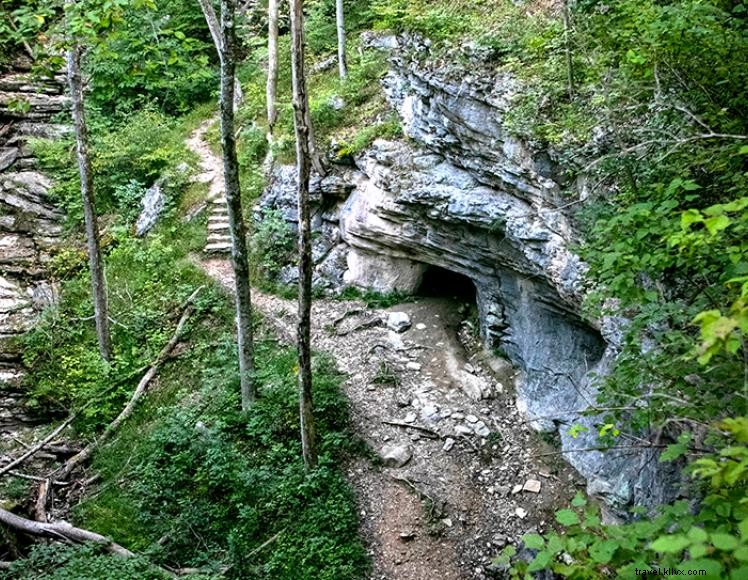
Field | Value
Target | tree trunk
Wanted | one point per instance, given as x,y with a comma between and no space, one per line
272,82
101,311
303,163
340,24
215,33
61,531
213,25
567,50
239,256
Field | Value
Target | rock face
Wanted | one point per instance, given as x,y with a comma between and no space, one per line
30,224
466,196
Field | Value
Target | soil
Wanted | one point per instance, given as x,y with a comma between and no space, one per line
471,484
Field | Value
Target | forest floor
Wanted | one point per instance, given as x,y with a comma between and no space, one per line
474,476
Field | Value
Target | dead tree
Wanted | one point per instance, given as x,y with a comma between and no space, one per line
239,254
98,285
303,165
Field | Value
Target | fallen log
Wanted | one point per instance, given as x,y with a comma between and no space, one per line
61,531
80,458
38,447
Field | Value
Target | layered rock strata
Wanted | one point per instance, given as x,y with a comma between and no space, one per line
30,223
465,195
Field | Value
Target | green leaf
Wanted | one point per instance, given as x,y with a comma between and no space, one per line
533,541
670,544
743,529
689,217
555,544
697,535
697,551
725,542
579,500
717,223
541,561
739,573
567,517
741,554
602,552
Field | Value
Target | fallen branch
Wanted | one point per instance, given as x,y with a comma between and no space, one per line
266,543
84,455
431,432
20,475
366,324
346,314
61,531
38,447
40,509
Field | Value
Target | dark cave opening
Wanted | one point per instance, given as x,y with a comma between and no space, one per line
442,283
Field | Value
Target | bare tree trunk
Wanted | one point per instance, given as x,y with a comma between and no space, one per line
340,24
567,43
303,162
272,82
215,33
213,25
101,311
239,256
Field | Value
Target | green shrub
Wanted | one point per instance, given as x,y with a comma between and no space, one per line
158,53
273,245
712,537
60,562
205,471
65,368
125,156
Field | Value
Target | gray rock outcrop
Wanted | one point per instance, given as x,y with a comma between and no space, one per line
467,196
30,223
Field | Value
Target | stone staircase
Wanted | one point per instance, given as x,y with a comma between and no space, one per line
219,233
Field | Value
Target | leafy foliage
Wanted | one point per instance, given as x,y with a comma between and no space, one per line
217,484
66,370
60,562
273,244
714,537
127,156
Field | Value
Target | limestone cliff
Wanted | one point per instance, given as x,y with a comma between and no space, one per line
30,224
465,195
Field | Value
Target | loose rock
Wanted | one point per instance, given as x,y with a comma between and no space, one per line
532,485
396,455
398,321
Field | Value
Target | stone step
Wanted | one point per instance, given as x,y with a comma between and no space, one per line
222,226
215,216
219,237
219,200
217,247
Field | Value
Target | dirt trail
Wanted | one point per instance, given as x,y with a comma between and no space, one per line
431,392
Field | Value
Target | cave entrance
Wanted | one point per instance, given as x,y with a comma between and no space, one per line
442,283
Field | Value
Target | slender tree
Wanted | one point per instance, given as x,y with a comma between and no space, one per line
215,32
234,202
340,25
272,81
101,310
303,165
